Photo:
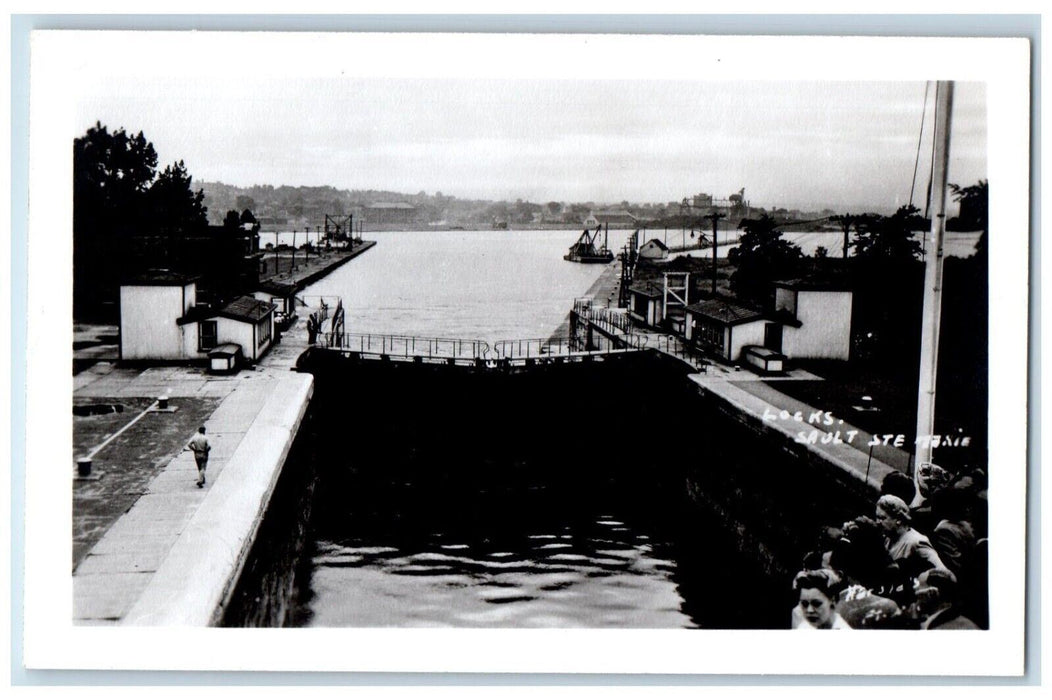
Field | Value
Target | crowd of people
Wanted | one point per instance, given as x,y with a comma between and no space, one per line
919,561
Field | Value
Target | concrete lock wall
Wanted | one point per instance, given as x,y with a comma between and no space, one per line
825,331
194,583
148,322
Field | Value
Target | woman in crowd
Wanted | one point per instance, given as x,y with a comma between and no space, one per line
911,550
817,593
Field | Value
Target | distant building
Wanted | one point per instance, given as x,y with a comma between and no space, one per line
160,320
614,217
389,213
703,203
653,249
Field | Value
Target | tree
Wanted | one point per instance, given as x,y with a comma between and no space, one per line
232,220
890,238
974,212
111,175
846,221
174,206
244,201
761,257
975,204
247,217
117,196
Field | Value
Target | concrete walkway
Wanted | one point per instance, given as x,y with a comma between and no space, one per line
122,565
603,292
758,400
251,426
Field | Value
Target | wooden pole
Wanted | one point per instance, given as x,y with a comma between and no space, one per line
714,217
929,351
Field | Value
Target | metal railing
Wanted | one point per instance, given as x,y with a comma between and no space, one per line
612,319
459,351
531,348
408,346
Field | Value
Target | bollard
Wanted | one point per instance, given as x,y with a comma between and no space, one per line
84,467
162,402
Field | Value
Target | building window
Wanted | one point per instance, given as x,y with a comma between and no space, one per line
263,332
709,336
207,335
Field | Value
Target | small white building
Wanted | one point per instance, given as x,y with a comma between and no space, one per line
246,322
282,295
646,303
724,327
161,321
817,319
150,308
653,249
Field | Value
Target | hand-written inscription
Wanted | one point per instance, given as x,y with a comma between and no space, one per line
848,434
814,436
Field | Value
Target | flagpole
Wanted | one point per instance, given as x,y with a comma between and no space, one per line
929,353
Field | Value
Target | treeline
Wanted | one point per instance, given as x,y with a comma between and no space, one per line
119,197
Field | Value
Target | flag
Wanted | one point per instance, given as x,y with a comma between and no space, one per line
336,338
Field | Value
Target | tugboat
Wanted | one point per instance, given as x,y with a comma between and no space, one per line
585,250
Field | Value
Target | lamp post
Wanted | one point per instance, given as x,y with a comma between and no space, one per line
292,266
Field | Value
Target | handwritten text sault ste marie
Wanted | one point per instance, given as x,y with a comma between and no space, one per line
839,436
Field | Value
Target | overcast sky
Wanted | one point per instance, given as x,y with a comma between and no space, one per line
845,145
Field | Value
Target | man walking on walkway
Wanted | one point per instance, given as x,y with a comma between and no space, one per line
200,447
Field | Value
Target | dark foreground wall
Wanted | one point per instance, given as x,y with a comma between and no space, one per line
737,508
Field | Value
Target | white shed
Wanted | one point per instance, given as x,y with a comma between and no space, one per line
724,327
161,321
150,307
282,295
646,303
818,319
653,249
246,322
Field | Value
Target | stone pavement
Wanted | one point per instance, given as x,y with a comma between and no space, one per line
118,568
129,458
758,399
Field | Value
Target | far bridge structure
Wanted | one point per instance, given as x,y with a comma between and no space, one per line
596,333
463,352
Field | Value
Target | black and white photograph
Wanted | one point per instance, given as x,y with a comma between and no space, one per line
629,353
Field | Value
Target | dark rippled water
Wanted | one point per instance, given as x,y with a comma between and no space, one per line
549,570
